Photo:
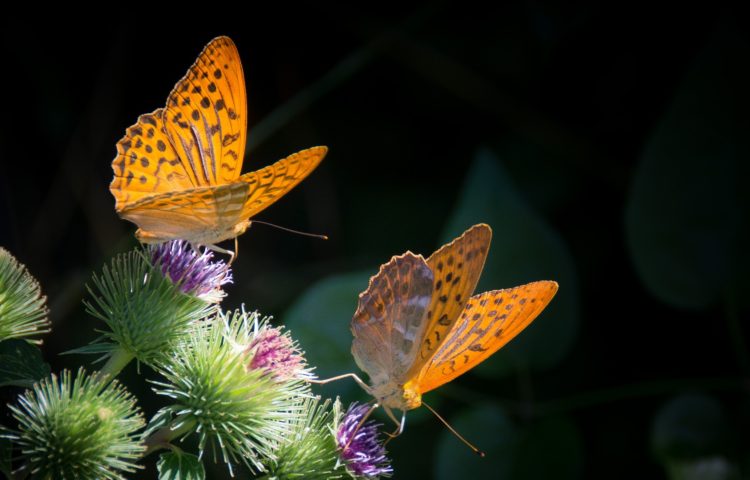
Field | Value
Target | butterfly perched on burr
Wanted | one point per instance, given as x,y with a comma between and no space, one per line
177,174
417,326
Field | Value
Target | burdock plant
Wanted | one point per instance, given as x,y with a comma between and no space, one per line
240,409
23,309
233,381
151,299
82,428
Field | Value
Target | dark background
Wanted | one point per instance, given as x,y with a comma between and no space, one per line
607,149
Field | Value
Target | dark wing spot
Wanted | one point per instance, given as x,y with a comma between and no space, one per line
126,146
440,266
450,260
498,301
533,300
139,143
160,145
150,133
205,102
212,87
444,320
476,316
492,313
148,119
230,139
196,115
522,301
129,178
144,162
217,73
458,297
232,114
457,279
449,277
444,298
460,265
142,179
197,89
477,348
483,302
499,332
219,104
438,284
509,307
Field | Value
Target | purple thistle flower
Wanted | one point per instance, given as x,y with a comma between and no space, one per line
365,455
193,272
275,352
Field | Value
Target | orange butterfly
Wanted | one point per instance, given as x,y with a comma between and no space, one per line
417,326
177,171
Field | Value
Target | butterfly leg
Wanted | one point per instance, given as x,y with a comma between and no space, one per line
399,425
359,381
224,251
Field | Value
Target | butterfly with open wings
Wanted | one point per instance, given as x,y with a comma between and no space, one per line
417,326
178,169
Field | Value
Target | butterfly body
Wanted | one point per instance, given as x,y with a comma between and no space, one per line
177,173
417,326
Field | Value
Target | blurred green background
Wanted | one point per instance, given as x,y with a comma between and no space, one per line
608,149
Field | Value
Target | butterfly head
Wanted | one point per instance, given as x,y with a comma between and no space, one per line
412,396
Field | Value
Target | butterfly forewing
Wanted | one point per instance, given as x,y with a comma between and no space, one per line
146,164
488,322
206,115
456,267
390,318
271,183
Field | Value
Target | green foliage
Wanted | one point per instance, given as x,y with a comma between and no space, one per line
512,451
145,312
689,427
179,465
524,249
21,364
78,429
687,215
23,309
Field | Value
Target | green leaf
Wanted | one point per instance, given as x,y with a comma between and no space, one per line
180,466
689,427
711,468
686,219
491,430
512,452
21,364
558,442
524,249
319,320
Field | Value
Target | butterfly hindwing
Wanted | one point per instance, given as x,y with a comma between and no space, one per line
206,115
487,323
390,318
272,182
202,210
456,267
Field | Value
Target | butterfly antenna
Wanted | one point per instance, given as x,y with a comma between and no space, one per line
304,234
454,432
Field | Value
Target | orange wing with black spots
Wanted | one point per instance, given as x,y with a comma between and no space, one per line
487,323
457,267
146,163
206,115
271,183
177,171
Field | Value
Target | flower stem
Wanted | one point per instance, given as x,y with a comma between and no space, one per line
160,439
117,361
